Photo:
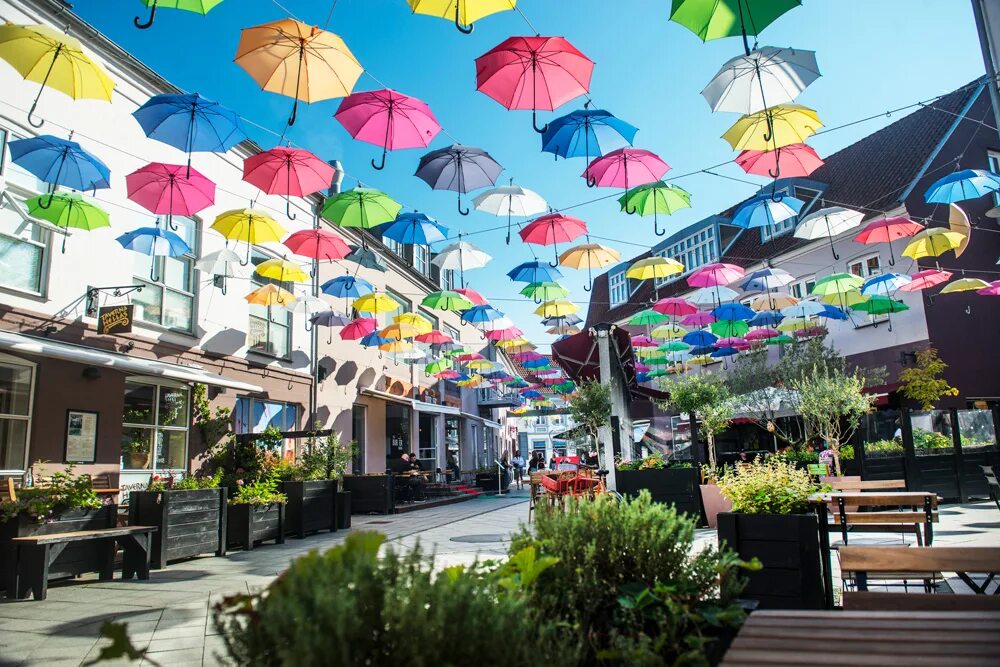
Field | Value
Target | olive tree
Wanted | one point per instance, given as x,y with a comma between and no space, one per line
703,397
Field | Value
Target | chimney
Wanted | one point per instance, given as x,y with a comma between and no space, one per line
338,177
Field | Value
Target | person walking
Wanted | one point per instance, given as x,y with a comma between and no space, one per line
518,462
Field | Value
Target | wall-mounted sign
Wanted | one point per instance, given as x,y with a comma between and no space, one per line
81,436
113,320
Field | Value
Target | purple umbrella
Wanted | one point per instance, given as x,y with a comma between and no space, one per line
458,168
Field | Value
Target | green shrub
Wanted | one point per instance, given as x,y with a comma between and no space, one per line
883,448
327,458
187,483
847,452
801,456
258,493
923,439
626,588
769,486
64,491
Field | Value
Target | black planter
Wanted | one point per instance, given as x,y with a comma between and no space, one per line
311,506
491,481
343,510
788,547
371,494
671,486
249,524
76,558
188,523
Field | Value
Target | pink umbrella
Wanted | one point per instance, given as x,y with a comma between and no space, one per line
730,342
317,244
447,374
551,380
713,275
434,337
551,229
697,319
811,332
510,333
641,368
388,119
529,355
992,290
168,189
292,172
762,334
787,161
888,230
359,328
643,341
625,168
675,306
925,279
472,295
533,73
470,356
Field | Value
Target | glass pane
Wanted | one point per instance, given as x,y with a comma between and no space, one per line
177,310
148,302
136,447
932,433
139,403
177,274
397,430
15,390
241,416
173,406
141,265
257,333
976,429
20,264
170,453
13,442
185,230
279,340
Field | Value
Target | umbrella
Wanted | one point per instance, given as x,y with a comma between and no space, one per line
733,311
190,122
292,172
308,306
961,185
992,290
711,296
375,302
472,295
508,200
700,338
674,346
612,170
828,223
282,270
590,256
767,302
358,328
388,119
434,337
317,244
803,309
844,299
762,334
365,258
348,287
881,305
270,295
556,308
481,314
465,12
363,208
586,132
59,162
788,161
653,199
544,291
446,300
648,317
557,321
417,320
54,60
533,73
415,228
766,211
760,79
534,272
837,283
461,256
831,312
653,268
766,279
169,189
248,225
773,128
698,319
713,19
958,221
551,229
374,340
712,275
329,318
887,230
438,366
922,280
964,285
154,242
563,329
399,331
458,168
505,334
933,242
780,340
197,6
224,264
668,332
795,324
729,328
884,283
675,307
68,211
299,61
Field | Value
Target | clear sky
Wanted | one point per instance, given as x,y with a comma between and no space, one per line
875,55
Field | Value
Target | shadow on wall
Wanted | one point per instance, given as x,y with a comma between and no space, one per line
226,343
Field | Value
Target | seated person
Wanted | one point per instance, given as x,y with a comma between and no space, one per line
415,463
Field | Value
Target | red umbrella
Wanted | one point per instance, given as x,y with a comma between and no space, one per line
168,189
924,279
888,230
787,161
292,172
388,119
472,295
317,244
697,319
434,337
643,341
533,73
613,170
675,306
510,333
359,328
447,374
469,356
551,229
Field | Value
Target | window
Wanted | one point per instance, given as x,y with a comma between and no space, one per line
427,438
777,229
618,288
422,259
993,158
16,391
395,246
802,289
433,319
865,267
404,304
253,415
696,250
155,426
167,301
270,329
451,331
23,248
447,279
809,197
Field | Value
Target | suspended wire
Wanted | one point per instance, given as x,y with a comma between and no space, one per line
330,14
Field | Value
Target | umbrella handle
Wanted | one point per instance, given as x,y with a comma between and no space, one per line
309,326
656,228
381,165
591,181
534,123
630,211
223,286
555,249
48,73
48,200
31,112
465,30
587,288
64,244
149,21
288,209
460,209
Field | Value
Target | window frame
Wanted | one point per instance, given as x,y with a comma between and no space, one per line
256,281
401,300
863,261
451,331
285,444
191,260
618,281
422,259
9,360
993,162
394,246
693,251
43,242
155,426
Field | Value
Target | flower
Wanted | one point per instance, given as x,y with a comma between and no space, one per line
239,482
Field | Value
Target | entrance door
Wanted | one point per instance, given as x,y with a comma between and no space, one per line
397,434
359,416
427,441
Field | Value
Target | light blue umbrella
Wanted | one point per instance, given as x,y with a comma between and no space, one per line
415,228
534,272
962,185
766,318
764,210
883,284
191,123
733,311
154,242
350,287
804,309
763,280
59,162
587,133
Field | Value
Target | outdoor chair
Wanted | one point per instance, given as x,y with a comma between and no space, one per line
991,482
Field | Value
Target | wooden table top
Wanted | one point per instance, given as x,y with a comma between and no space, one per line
867,639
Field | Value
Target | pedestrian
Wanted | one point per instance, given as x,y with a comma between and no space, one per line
518,463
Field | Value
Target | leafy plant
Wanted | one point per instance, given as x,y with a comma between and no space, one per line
770,486
64,491
215,425
802,456
704,397
590,407
924,383
654,461
263,492
880,448
924,439
119,646
186,483
327,457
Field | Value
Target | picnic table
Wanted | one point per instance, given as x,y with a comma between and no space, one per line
867,639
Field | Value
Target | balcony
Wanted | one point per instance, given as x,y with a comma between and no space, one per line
491,398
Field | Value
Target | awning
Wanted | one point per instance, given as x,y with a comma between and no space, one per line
421,406
386,396
43,347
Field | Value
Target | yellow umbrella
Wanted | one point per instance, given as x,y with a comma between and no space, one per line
249,225
376,302
845,299
563,330
56,61
556,308
654,267
964,285
473,381
932,242
668,332
270,295
702,360
795,324
282,270
399,331
514,345
396,346
421,323
958,221
299,61
772,128
646,352
479,364
775,301
463,12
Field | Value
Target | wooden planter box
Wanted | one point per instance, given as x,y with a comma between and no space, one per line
76,558
672,486
188,523
249,524
371,494
311,506
488,481
342,507
788,546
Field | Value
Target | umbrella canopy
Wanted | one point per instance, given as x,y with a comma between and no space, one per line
306,305
668,332
376,302
348,287
648,317
837,283
552,229
766,318
317,244
586,133
925,279
270,295
155,242
625,168
675,307
958,221
358,328
458,168
224,263
788,161
461,256
365,258
762,334
828,223
733,311
712,296
933,242
374,340
844,299
472,295
415,228
533,73
766,279
170,189
712,275
887,230
654,267
698,319
417,320
700,338
880,305
463,12
556,321
773,128
534,272
961,185
68,211
544,291
965,285
59,162
292,172
653,199
510,200
248,225
54,60
363,208
556,308
992,290
884,283
769,301
831,312
196,6
399,331
434,337
282,270
297,60
330,318
713,19
190,122
729,328
803,310
764,211
481,314
446,300
388,119
760,79
589,256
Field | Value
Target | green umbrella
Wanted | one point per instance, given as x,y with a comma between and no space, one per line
197,6
69,211
544,291
674,346
658,361
779,340
446,300
361,207
837,283
454,352
659,372
437,366
712,19
647,317
729,328
654,198
880,305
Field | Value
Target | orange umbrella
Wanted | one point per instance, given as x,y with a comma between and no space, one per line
300,61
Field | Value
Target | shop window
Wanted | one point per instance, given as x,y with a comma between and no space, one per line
427,439
932,433
270,329
16,391
449,330
155,427
253,415
977,430
865,267
397,431
168,283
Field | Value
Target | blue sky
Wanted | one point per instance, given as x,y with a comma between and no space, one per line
875,55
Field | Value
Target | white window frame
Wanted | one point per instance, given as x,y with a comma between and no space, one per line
256,281
618,291
447,279
43,242
993,161
8,360
155,425
802,288
693,251
190,259
422,259
863,261
394,246
450,331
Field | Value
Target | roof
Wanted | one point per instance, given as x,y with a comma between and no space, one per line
870,174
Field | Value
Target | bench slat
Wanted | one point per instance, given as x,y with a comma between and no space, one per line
861,600
79,535
920,559
885,517
907,499
860,485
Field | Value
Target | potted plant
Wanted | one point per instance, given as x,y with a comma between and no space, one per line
256,514
671,482
137,453
316,500
772,520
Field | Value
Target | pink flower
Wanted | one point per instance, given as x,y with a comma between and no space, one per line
239,482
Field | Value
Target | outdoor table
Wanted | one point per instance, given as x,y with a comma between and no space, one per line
866,639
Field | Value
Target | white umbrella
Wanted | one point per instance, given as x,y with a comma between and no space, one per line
510,200
803,309
307,305
224,263
461,256
763,78
711,296
828,223
492,325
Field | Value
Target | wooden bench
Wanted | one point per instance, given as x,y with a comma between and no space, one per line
992,484
903,512
35,554
8,491
865,484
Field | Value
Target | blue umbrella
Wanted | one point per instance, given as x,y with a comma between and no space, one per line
764,211
585,133
536,363
733,311
804,309
832,312
415,228
641,378
766,318
725,352
517,384
704,349
961,185
60,162
191,123
154,242
365,257
699,338
374,340
480,314
531,394
763,280
534,272
884,283
349,287
329,318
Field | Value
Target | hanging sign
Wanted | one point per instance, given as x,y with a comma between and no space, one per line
113,320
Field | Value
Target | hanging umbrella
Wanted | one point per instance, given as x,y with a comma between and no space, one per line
459,257
348,287
363,208
585,133
831,312
768,302
68,211
700,338
653,199
884,283
922,280
481,314
472,295
299,61
713,19
374,340
556,321
458,168
668,332
698,319
534,272
763,78
733,311
307,306
653,268
674,346
358,328
563,330
464,12
249,225
154,242
292,172
399,331
788,161
837,283
828,223
675,307
415,228
317,244
446,300
434,337
647,318
54,60
281,270
612,170
507,333
223,264
388,119
365,258
964,285
766,279
961,185
170,189
766,318
765,211
556,307
762,334
270,295
712,296
887,230
417,320
803,310
992,290
190,123
773,128
59,162
881,305
844,299
551,229
712,275
533,73
958,221
375,302
544,291
197,6
589,256
510,200
933,242
729,328
329,318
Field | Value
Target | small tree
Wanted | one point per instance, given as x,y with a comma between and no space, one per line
590,407
923,383
705,397
832,402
